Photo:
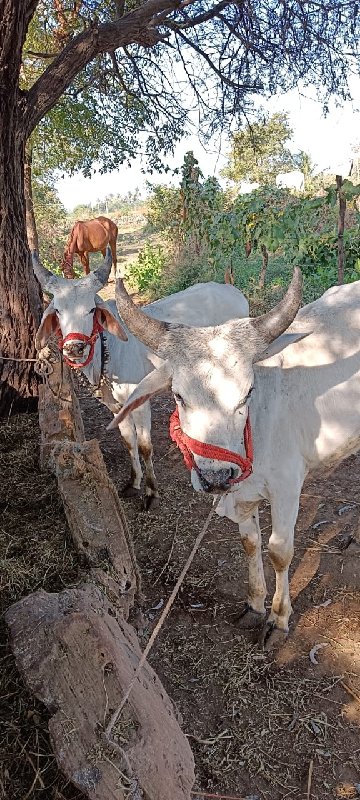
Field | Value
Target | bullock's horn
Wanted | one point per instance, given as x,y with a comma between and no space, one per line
150,331
271,325
101,274
48,281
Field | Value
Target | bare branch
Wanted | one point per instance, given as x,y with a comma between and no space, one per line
221,75
40,55
201,18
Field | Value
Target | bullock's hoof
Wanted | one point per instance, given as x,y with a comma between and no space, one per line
271,637
130,491
248,618
151,502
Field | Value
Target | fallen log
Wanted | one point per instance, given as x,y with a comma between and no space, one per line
96,519
78,658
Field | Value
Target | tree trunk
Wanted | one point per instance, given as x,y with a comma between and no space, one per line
341,226
265,260
20,300
32,234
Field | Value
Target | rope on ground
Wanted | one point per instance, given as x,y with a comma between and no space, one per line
218,796
11,358
160,623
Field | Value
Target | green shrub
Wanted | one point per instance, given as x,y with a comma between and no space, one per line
144,274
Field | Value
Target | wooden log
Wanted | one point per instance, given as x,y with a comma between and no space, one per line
59,410
78,659
96,519
341,227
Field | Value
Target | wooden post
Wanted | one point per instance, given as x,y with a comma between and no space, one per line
265,261
59,410
96,519
341,226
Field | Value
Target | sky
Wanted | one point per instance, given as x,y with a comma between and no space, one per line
328,140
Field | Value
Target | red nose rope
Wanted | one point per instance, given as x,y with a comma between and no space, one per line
89,340
189,447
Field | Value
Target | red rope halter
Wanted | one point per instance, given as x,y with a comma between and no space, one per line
189,447
89,340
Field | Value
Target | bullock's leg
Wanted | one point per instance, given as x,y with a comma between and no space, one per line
112,276
250,533
128,432
284,511
142,418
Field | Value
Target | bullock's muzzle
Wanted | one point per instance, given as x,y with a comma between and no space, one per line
216,480
74,349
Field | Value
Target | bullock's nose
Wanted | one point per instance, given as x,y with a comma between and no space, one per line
216,480
74,348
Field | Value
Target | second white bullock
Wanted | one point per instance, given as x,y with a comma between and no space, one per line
257,409
94,339
291,180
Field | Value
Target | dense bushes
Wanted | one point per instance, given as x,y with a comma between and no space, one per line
205,231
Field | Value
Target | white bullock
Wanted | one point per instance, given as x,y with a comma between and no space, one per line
291,180
94,339
301,391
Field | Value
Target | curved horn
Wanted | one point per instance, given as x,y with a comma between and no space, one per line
48,281
101,275
271,325
150,331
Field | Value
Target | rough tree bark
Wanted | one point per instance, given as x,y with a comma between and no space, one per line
31,230
20,302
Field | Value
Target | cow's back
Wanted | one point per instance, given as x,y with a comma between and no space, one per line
201,305
333,325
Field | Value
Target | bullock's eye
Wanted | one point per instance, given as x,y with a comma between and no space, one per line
92,310
179,399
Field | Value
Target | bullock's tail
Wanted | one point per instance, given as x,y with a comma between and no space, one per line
229,276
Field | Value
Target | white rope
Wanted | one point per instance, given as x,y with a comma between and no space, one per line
160,622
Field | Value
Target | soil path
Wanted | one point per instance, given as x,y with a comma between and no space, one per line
256,722
260,725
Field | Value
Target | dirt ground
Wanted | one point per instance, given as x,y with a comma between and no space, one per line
261,725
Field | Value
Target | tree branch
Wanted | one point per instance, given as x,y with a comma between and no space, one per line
132,28
40,55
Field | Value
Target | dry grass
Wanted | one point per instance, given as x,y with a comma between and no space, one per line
256,726
35,552
261,723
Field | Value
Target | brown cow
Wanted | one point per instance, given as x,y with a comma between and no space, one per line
89,236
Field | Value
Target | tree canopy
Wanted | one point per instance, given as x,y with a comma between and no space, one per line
111,69
258,152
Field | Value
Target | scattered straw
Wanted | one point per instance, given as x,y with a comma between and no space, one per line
161,621
309,780
350,691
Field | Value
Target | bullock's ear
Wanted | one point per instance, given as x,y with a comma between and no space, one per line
279,344
47,326
152,384
109,322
